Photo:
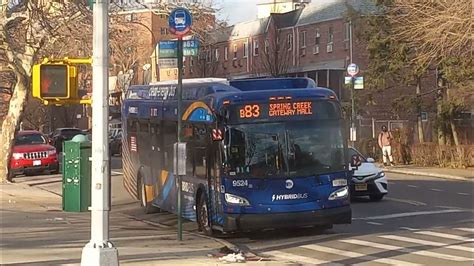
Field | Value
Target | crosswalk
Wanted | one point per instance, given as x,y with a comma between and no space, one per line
437,246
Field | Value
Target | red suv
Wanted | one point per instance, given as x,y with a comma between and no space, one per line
32,154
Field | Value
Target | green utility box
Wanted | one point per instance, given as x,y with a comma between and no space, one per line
76,175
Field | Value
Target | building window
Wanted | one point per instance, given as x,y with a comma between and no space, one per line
226,53
235,51
216,54
191,61
290,41
255,48
267,46
317,38
164,31
208,56
330,35
303,39
246,49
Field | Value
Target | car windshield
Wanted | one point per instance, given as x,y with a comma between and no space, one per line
70,133
285,148
30,139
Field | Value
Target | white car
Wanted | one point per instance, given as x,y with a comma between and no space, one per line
368,179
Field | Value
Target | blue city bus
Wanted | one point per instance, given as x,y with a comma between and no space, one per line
260,153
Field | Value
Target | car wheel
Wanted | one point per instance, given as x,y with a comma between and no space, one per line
377,197
147,205
203,216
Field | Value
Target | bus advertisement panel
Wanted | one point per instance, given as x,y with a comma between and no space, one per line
256,159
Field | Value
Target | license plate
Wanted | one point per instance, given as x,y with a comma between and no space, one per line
360,187
339,182
37,162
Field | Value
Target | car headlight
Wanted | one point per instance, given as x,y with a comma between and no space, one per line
339,194
380,174
52,152
236,200
17,155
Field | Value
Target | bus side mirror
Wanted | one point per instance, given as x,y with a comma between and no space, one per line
356,161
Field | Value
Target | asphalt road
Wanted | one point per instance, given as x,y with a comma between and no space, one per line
423,220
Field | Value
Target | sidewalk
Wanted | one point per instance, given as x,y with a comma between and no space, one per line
34,230
447,173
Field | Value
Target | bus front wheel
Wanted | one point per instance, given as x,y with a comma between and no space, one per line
203,216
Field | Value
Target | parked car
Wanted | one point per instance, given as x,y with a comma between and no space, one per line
115,142
32,154
62,134
368,179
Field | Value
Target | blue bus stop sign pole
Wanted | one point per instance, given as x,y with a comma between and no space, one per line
180,22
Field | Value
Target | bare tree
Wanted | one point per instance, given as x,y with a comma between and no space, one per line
276,56
437,28
28,30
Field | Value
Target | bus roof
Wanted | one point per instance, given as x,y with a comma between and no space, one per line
272,83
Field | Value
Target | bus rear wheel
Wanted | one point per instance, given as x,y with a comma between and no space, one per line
203,216
144,202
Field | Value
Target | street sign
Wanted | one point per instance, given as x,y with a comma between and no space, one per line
424,116
180,21
168,63
169,49
347,80
358,83
352,70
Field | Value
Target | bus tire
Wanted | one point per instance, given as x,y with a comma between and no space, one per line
203,215
146,205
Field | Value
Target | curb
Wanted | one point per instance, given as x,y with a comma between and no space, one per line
408,172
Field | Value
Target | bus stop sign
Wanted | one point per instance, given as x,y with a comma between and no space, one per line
352,70
180,21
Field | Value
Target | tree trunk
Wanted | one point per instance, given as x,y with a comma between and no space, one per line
454,131
421,135
10,124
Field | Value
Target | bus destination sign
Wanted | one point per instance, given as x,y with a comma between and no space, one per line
282,109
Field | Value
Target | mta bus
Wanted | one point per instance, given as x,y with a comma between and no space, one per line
260,154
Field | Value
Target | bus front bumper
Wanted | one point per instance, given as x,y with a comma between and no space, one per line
250,222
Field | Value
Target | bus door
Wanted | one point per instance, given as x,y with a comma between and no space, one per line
214,182
156,158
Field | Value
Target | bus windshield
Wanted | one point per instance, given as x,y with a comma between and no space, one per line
284,149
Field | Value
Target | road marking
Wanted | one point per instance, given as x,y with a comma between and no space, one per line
408,228
435,189
374,223
406,214
412,202
351,254
297,258
428,243
443,235
471,230
464,194
406,250
413,186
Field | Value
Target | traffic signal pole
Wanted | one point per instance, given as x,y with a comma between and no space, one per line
180,126
99,250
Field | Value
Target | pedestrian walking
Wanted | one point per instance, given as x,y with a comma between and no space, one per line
385,143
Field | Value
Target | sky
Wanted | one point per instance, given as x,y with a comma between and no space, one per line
234,11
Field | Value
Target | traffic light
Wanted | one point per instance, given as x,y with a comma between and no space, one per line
54,82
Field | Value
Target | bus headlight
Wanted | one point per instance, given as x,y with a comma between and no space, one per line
236,200
339,194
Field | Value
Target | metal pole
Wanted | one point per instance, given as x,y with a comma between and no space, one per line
350,40
99,250
353,116
180,123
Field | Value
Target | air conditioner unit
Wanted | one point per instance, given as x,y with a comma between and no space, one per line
316,49
302,52
329,48
234,63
